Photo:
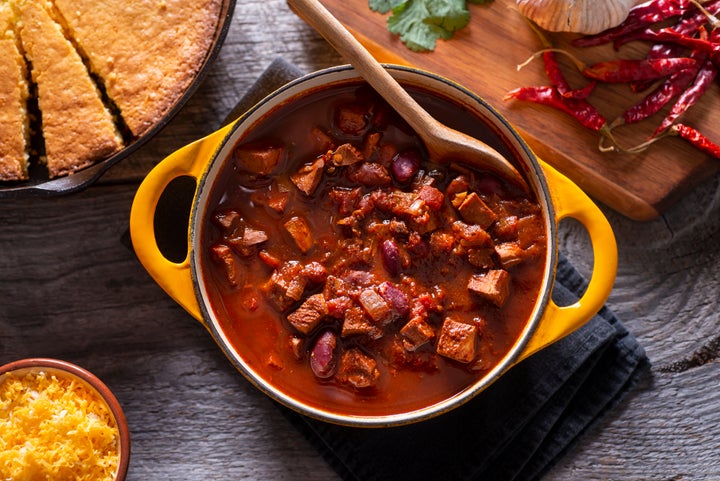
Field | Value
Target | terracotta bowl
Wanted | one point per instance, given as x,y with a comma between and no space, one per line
65,369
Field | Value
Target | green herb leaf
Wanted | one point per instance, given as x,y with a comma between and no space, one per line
450,15
421,23
384,6
409,21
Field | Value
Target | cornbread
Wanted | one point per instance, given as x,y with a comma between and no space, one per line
77,127
55,427
14,125
146,51
82,79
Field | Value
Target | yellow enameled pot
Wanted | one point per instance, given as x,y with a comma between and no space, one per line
202,160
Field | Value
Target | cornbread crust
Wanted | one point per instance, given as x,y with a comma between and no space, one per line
14,128
77,127
147,52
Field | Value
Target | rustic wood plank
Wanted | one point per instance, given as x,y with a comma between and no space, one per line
70,288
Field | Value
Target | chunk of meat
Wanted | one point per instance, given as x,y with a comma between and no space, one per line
345,199
300,232
258,158
308,177
375,306
351,119
356,323
314,272
226,219
459,184
530,230
306,317
474,211
346,154
441,243
432,197
510,254
357,369
506,228
320,140
338,306
416,333
222,254
481,257
424,360
471,235
252,236
275,196
494,286
371,144
286,286
370,174
457,341
245,239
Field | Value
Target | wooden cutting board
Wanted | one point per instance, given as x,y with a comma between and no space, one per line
484,57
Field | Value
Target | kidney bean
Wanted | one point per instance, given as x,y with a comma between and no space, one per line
396,299
391,257
323,356
405,165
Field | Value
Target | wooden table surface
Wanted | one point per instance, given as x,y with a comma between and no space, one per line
71,289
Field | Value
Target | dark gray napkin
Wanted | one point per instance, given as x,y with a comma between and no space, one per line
514,430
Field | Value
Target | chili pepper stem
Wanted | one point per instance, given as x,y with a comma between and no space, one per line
543,39
714,22
579,63
606,135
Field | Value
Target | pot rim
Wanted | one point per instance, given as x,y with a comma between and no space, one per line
342,75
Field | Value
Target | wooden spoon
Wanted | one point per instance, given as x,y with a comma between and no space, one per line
441,142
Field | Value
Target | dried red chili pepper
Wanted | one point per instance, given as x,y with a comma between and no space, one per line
666,35
672,87
623,70
691,23
557,78
696,139
639,17
580,109
554,72
703,80
658,98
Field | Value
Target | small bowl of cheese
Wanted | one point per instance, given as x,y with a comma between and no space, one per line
59,421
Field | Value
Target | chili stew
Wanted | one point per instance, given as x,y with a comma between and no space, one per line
357,274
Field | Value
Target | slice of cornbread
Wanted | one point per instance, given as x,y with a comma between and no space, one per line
14,128
146,52
77,127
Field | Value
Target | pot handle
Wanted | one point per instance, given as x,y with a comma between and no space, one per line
174,277
557,322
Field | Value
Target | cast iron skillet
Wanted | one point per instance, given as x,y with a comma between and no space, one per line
39,185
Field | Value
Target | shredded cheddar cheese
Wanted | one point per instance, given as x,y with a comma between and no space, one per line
55,428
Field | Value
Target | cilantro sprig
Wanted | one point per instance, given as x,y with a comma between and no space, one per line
421,23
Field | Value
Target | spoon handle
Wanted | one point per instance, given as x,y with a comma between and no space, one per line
318,17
